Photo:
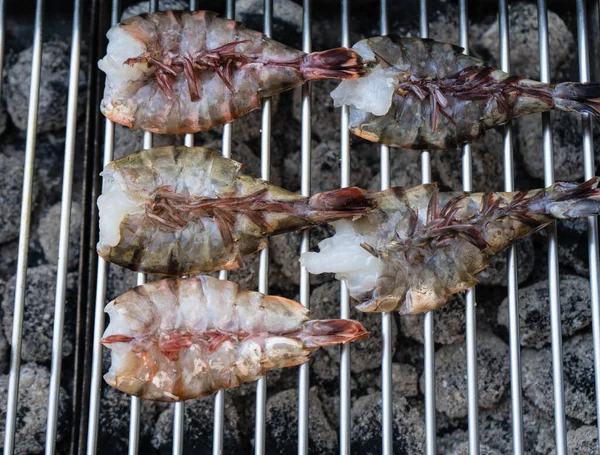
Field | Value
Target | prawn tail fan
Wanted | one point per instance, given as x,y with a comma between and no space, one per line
568,200
331,331
341,203
340,63
578,97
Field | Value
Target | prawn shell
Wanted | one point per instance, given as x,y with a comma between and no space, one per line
178,339
206,242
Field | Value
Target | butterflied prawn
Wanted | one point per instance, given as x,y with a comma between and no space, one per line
424,94
180,211
423,245
183,72
178,339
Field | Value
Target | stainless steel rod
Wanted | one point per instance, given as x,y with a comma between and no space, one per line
178,426
219,402
513,299
386,318
592,222
263,272
560,428
345,402
63,243
470,303
136,403
101,277
24,230
429,346
303,377
135,410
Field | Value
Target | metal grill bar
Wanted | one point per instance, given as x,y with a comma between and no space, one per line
65,221
263,272
96,375
429,347
470,314
219,402
386,318
345,402
24,229
513,298
592,222
306,149
553,274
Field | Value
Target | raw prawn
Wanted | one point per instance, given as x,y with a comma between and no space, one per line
183,72
180,210
178,339
423,94
422,245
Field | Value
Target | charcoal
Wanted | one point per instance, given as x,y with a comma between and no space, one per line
578,361
282,418
566,146
119,281
534,310
408,434
4,353
451,373
524,42
39,313
142,7
114,422
198,428
487,170
11,184
582,441
405,380
128,141
463,449
325,168
405,169
449,322
366,354
32,405
52,114
48,233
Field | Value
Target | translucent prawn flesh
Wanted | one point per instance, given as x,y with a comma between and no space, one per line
422,245
183,72
424,94
178,339
189,210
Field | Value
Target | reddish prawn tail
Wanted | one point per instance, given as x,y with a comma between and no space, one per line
331,331
339,63
342,203
578,97
572,200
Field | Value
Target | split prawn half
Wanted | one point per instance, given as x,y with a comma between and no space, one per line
177,72
424,94
178,339
188,210
422,245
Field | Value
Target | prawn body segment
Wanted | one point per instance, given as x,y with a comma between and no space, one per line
179,339
180,210
437,98
183,72
423,245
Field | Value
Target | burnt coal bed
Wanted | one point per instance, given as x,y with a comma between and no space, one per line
492,318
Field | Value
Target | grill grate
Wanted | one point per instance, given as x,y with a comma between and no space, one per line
87,403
